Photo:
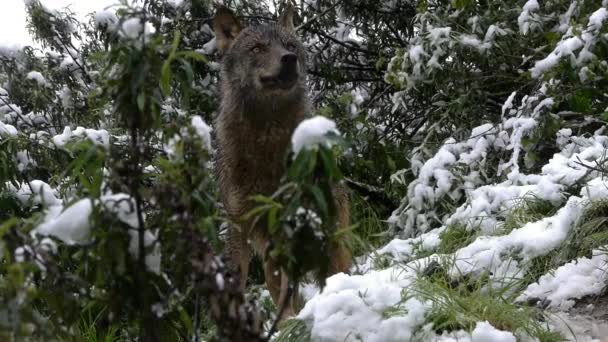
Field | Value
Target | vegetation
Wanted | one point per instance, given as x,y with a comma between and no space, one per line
104,141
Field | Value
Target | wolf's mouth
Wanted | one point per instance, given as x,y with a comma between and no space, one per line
280,81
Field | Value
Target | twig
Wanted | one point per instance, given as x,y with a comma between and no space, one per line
16,112
275,324
375,193
316,17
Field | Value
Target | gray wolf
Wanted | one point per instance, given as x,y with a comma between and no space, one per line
264,98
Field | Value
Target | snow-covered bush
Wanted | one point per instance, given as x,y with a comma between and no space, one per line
504,216
504,88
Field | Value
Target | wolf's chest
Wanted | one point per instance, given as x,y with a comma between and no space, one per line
260,158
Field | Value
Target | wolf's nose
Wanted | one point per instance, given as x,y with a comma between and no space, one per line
289,59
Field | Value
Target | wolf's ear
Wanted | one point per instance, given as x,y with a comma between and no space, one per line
286,18
226,27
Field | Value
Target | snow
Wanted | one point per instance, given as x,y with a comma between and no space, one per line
219,281
358,95
416,52
132,28
485,332
574,280
24,161
98,137
37,77
403,250
508,103
473,41
106,18
565,48
564,19
202,130
123,206
71,225
571,43
176,3
312,132
7,130
153,258
596,20
209,47
526,15
439,178
351,308
170,147
36,192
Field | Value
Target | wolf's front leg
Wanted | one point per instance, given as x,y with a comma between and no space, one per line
278,286
239,253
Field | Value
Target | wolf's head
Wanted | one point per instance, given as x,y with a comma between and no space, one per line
261,61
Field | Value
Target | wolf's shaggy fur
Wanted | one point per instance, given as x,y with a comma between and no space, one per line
264,98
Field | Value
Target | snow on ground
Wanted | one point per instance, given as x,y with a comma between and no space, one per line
574,280
353,308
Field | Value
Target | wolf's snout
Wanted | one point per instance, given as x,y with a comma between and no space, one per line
286,74
289,60
289,68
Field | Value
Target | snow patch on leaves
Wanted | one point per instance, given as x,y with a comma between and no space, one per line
98,137
202,130
312,132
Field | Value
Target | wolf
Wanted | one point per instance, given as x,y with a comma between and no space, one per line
264,98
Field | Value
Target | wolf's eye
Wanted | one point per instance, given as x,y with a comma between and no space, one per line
256,49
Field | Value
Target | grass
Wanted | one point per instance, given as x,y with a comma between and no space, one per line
462,303
293,330
529,209
371,231
455,237
461,306
589,233
88,329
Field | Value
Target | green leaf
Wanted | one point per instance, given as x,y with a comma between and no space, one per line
141,101
298,166
175,44
188,70
329,161
256,212
461,4
422,6
263,199
272,219
320,200
165,78
192,55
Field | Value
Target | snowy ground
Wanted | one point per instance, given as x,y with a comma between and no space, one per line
355,307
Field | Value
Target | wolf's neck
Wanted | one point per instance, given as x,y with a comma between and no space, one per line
287,110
